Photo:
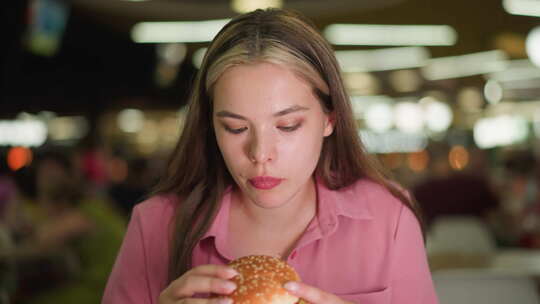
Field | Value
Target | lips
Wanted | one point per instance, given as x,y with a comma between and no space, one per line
264,182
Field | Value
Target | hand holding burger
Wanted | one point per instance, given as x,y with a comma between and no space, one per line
268,280
255,279
203,279
260,280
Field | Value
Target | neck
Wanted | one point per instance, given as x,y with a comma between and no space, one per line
299,210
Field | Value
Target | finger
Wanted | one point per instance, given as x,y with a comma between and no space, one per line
221,271
193,284
215,300
311,294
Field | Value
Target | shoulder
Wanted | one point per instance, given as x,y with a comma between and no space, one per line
161,202
156,210
368,199
373,195
388,209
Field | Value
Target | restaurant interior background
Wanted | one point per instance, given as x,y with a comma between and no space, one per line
446,95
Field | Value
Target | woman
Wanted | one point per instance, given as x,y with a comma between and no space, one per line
270,163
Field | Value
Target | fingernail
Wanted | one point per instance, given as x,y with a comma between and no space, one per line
225,301
232,273
229,286
291,286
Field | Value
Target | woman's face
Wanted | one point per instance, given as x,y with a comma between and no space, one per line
270,128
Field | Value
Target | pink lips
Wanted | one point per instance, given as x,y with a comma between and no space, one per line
264,182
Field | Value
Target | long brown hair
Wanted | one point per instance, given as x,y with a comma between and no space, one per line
197,173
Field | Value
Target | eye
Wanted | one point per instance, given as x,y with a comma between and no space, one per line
290,128
235,131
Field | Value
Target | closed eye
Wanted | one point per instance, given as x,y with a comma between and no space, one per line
235,131
290,128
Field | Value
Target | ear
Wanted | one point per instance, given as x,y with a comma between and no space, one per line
329,123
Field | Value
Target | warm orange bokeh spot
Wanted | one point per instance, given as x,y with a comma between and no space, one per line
458,157
19,157
418,161
392,161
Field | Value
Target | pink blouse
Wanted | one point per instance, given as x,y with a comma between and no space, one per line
363,245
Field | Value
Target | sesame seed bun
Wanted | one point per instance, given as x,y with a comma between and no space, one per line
261,279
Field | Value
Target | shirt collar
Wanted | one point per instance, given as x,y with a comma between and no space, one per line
351,202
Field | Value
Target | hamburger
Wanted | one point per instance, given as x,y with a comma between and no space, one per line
261,279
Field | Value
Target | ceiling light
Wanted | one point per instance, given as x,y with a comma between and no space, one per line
406,35
493,91
361,104
393,141
502,130
532,45
23,132
382,59
438,115
517,71
465,65
522,7
180,31
130,120
244,6
409,117
379,117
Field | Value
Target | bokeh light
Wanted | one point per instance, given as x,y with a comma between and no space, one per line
532,45
409,117
458,157
130,120
19,157
418,161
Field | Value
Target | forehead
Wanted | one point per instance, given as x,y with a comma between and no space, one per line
262,87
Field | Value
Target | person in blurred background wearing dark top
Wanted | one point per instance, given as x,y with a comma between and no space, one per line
517,220
75,236
446,192
7,220
270,162
134,188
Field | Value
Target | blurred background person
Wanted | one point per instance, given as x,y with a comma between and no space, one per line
516,222
7,219
74,238
134,188
447,192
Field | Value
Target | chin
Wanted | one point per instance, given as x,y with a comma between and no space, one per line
268,199
267,204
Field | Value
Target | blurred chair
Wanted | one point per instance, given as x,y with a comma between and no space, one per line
484,287
460,242
466,234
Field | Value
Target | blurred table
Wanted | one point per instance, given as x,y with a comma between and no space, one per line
520,261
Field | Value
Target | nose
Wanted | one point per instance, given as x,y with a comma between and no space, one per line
261,148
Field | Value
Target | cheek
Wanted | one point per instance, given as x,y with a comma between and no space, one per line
303,148
230,149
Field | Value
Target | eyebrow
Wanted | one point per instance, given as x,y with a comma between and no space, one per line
289,110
